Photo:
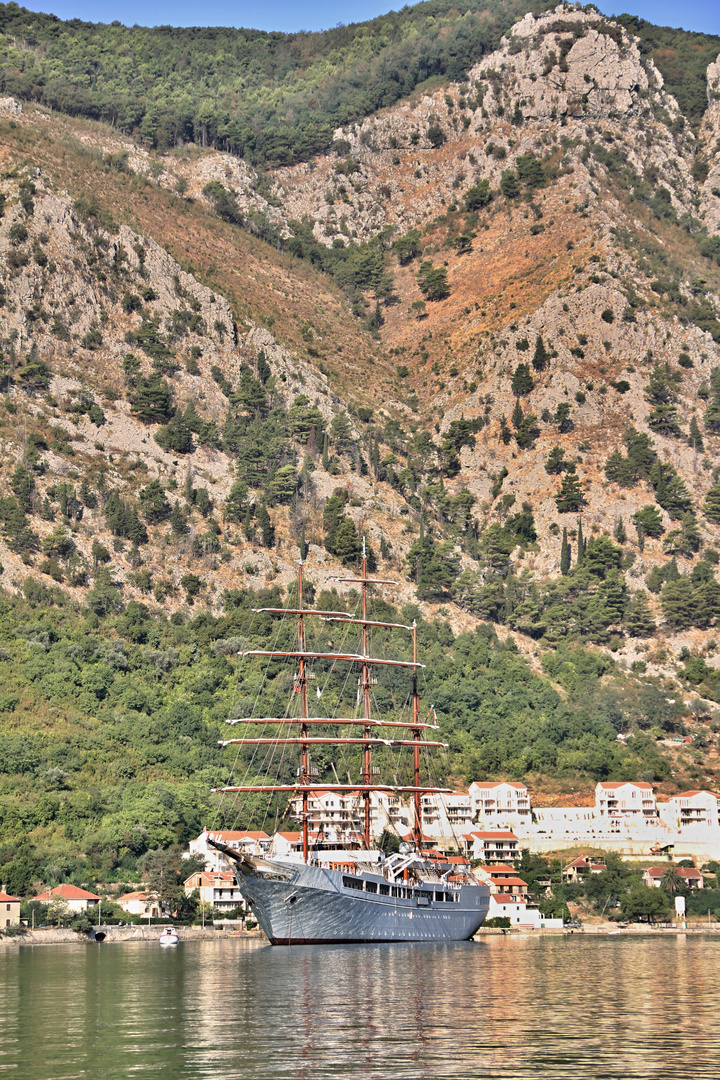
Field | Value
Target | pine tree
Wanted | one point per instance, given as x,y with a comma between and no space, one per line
522,381
236,503
711,506
178,521
266,526
695,438
541,357
571,496
87,495
555,462
565,554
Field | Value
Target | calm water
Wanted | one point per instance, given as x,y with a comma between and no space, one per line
559,1007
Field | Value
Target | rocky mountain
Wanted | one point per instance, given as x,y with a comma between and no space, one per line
482,330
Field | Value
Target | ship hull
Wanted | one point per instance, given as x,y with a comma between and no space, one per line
313,906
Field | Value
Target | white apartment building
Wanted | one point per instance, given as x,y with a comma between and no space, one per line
625,799
494,846
695,808
335,813
445,814
502,798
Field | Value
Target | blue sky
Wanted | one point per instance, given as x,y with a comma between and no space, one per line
292,15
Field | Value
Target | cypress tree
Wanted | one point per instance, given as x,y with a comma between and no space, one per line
620,533
325,454
541,357
695,438
517,415
565,554
247,524
580,544
303,545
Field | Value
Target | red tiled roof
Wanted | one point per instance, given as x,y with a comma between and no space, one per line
7,898
690,794
582,860
512,881
499,783
66,892
682,871
613,785
492,835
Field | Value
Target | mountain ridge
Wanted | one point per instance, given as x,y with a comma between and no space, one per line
206,375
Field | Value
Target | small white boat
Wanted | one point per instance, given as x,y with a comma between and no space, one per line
168,937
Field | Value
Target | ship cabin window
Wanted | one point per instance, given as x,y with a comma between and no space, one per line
384,890
353,883
370,886
439,897
396,890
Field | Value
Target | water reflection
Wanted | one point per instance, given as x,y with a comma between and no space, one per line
518,1008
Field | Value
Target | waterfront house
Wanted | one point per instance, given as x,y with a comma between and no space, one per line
252,842
72,897
500,799
142,903
9,910
503,879
579,869
492,846
695,808
693,878
626,799
220,890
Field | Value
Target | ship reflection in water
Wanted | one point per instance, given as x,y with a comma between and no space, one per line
512,1008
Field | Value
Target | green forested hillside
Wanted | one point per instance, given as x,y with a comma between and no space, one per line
271,97
110,725
276,98
682,58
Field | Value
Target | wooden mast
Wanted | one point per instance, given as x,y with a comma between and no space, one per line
416,743
366,699
302,786
304,771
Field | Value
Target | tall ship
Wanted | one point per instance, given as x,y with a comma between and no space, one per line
339,887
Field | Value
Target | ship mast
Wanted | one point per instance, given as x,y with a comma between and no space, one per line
302,680
416,741
303,787
366,699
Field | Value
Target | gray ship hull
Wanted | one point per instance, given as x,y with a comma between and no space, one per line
311,905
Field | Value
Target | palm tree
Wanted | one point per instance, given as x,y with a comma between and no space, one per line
672,880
